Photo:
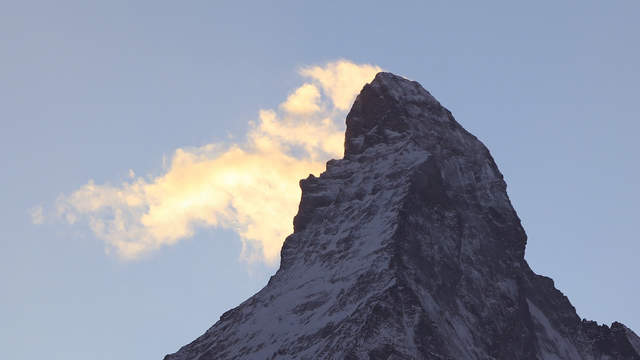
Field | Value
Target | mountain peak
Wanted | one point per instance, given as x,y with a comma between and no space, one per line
391,106
407,248
399,87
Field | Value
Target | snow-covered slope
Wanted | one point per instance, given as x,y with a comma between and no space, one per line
408,248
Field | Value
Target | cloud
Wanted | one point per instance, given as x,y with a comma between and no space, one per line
37,215
341,80
250,187
303,101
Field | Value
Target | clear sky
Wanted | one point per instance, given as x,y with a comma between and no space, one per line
92,90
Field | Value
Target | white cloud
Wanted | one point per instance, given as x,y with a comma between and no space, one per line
37,216
250,187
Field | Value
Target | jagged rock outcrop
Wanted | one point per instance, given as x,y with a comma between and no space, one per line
408,248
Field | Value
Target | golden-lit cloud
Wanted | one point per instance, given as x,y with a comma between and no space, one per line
250,187
303,101
341,80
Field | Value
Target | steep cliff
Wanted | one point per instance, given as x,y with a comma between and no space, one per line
407,248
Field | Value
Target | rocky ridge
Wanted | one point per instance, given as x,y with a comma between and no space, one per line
407,248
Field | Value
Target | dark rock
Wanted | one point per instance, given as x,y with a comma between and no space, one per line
408,248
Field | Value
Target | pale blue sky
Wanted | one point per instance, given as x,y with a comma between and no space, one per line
88,91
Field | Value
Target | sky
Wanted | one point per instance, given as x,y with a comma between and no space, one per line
115,114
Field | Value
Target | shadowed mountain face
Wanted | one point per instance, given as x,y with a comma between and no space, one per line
407,248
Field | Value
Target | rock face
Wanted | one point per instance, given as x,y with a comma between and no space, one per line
408,248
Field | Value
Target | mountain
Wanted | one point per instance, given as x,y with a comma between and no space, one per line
407,248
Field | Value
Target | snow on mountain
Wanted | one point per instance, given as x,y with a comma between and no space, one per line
407,248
